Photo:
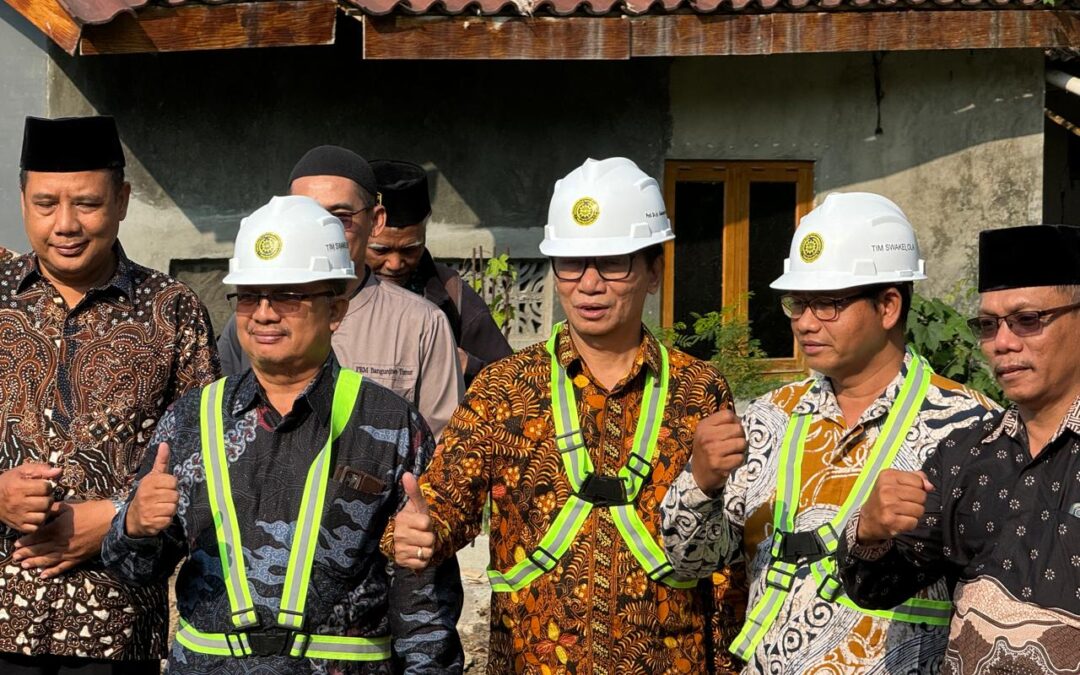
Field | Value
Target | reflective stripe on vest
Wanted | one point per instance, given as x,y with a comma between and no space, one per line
333,647
780,576
290,615
578,466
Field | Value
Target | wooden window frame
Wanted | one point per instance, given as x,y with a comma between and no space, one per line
735,276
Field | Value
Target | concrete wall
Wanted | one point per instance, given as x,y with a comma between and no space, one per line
960,147
211,135
24,61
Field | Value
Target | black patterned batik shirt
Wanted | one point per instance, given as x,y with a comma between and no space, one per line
1006,527
82,388
353,591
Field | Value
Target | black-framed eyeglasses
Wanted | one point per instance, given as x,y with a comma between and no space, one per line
609,267
283,302
1023,324
823,308
346,217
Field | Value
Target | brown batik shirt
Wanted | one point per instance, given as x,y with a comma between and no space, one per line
82,388
596,612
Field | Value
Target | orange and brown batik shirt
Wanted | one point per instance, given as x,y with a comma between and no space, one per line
596,611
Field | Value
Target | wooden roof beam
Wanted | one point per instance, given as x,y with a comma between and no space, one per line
52,20
200,27
620,37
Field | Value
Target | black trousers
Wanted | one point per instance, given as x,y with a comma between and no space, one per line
18,664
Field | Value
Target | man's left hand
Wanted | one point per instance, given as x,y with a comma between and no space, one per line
74,535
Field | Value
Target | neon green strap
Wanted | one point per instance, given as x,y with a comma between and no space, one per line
218,486
578,466
780,576
238,645
553,546
309,520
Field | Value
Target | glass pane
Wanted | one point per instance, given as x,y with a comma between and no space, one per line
772,221
699,252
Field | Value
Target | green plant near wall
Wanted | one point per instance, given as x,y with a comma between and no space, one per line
734,351
939,332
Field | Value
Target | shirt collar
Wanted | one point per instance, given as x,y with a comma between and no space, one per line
820,399
317,396
648,354
1012,425
121,279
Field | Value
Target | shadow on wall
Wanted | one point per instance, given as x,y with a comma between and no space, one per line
219,131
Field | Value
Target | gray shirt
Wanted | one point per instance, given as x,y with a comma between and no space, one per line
396,338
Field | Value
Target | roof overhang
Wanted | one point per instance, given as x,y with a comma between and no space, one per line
669,28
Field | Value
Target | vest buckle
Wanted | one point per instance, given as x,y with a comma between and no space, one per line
603,490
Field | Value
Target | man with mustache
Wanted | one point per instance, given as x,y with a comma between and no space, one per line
816,447
394,337
95,347
997,508
275,485
398,254
575,442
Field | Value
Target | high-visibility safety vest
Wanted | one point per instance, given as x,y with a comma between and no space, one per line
792,550
287,637
617,493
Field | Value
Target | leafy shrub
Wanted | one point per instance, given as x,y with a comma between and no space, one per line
939,332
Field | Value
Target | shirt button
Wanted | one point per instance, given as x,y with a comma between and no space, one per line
57,300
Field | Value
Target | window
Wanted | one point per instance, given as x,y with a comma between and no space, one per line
734,222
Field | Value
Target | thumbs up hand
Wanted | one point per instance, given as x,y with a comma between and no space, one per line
413,532
155,500
895,505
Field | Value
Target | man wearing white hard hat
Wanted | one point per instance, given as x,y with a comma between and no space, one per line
575,441
275,485
817,446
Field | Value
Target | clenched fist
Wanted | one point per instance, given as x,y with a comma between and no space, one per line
894,506
719,448
155,500
413,532
26,500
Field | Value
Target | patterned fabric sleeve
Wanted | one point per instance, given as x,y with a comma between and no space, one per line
148,559
425,606
458,481
197,361
883,576
700,532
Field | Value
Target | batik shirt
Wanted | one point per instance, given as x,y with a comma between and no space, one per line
596,612
353,590
811,635
1004,525
82,388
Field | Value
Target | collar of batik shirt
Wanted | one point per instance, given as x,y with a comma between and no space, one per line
820,399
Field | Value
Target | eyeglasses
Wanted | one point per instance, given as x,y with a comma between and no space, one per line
1022,324
609,267
283,302
346,217
823,308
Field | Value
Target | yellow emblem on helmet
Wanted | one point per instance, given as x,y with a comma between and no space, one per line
267,246
585,211
811,247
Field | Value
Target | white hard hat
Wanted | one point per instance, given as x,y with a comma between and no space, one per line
291,240
852,239
605,207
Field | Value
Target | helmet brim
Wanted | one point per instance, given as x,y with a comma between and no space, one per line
280,277
575,248
826,281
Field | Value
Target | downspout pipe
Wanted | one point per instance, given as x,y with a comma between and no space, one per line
1064,81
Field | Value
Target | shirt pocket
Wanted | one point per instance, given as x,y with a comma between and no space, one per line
399,379
353,523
